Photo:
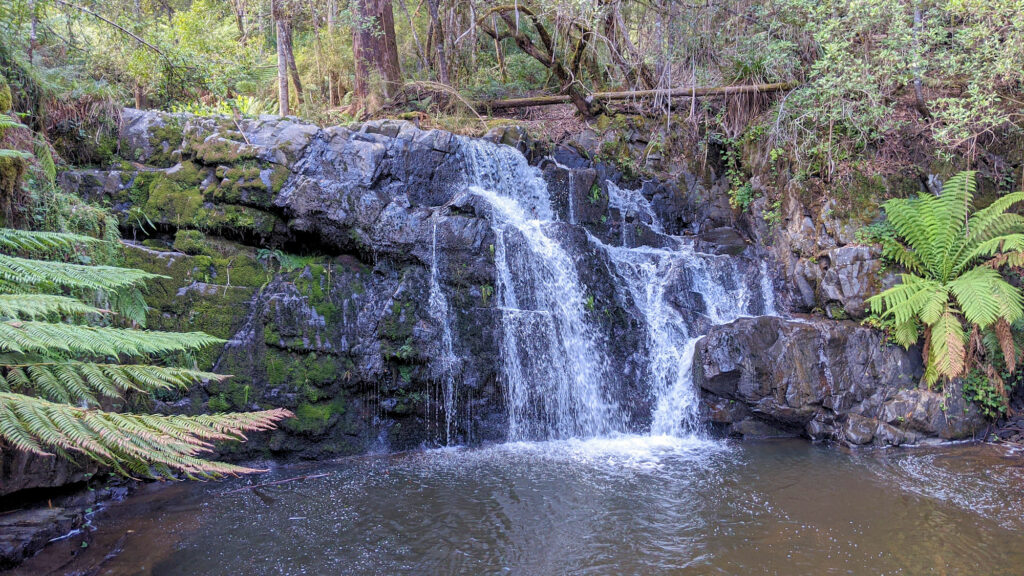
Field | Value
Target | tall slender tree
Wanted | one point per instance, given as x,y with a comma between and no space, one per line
378,74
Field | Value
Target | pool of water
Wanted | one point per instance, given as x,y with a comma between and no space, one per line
629,505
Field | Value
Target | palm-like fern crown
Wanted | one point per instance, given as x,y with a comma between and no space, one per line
67,342
953,258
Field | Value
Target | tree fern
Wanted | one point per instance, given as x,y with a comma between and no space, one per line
61,355
132,444
954,259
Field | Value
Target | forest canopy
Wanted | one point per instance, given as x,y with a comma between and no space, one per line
859,75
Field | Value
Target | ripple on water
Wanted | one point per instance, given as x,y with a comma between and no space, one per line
615,505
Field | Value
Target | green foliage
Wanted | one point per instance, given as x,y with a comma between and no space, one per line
880,232
985,394
60,356
953,257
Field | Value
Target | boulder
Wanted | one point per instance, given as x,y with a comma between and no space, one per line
826,380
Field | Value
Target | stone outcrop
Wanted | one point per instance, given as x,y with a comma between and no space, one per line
826,380
310,251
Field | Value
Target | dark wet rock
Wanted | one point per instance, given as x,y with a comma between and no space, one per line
854,274
25,532
724,240
832,380
24,470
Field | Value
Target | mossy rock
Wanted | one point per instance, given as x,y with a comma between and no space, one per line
6,101
192,242
216,150
315,419
165,138
169,203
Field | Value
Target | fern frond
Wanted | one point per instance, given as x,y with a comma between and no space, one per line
17,154
26,272
947,346
46,338
28,306
12,240
83,382
133,444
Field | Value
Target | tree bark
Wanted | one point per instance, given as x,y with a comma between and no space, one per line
282,59
638,74
376,52
922,107
290,59
544,54
435,25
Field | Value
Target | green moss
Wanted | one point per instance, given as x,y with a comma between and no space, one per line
190,242
187,174
278,366
165,139
219,404
235,217
315,418
218,150
278,177
320,370
169,203
5,95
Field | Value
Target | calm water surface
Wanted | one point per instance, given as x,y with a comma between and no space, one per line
632,505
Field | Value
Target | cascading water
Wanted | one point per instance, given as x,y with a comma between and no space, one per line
672,334
448,360
556,371
553,367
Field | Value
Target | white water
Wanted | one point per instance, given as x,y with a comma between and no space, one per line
448,360
649,274
555,368
632,202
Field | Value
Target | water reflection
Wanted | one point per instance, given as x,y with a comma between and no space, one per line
626,505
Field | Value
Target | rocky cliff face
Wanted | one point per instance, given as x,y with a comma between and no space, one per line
313,251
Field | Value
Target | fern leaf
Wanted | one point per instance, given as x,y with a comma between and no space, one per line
947,346
82,382
27,306
12,240
134,444
27,272
47,338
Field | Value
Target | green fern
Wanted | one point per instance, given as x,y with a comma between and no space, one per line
61,355
953,257
131,444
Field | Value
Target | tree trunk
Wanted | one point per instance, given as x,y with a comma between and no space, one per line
290,60
638,74
435,25
378,74
922,107
690,92
282,59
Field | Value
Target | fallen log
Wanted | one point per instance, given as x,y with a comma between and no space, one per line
691,92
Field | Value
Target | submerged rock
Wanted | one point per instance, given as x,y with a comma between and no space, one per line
826,380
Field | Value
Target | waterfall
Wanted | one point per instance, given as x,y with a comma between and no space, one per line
447,360
556,370
553,365
632,202
648,274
